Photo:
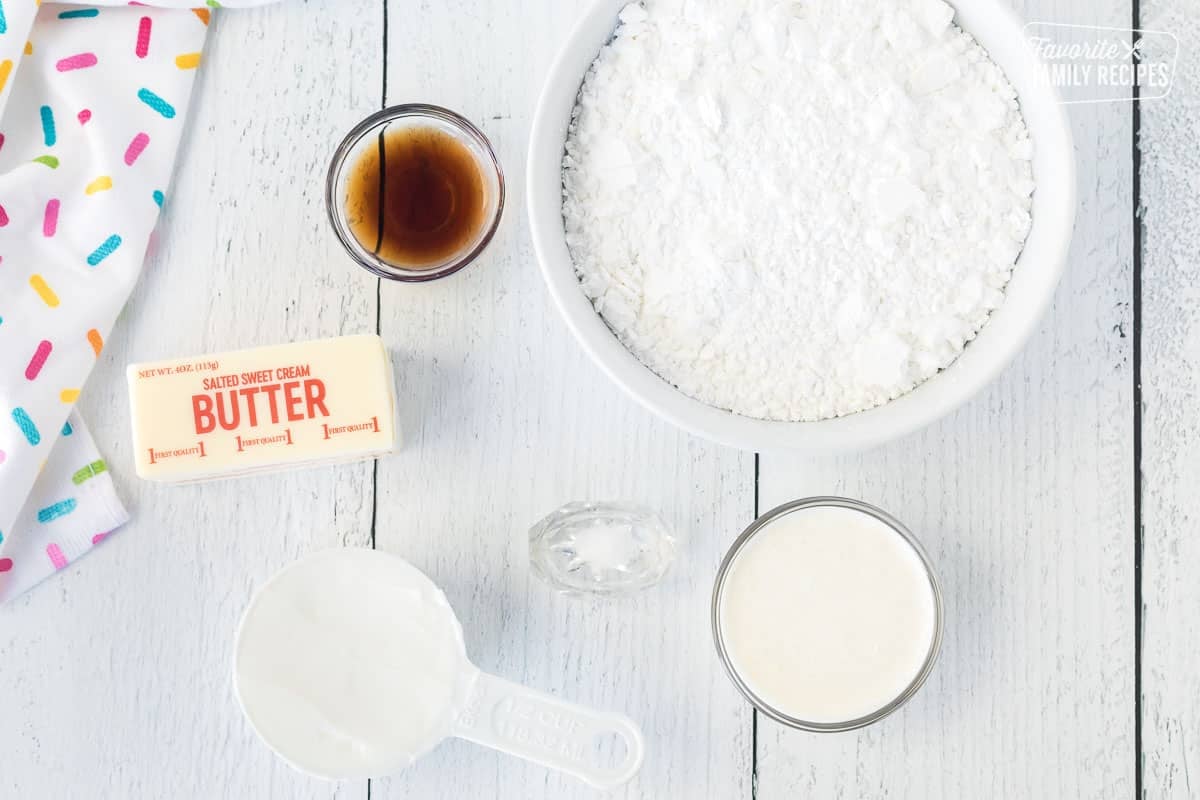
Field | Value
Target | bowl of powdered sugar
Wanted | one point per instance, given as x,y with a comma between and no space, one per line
816,224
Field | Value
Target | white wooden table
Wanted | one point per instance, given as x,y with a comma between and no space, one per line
1068,669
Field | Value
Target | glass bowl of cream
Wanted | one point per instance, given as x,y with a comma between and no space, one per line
827,614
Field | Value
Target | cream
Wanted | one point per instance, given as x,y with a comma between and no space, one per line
827,614
350,664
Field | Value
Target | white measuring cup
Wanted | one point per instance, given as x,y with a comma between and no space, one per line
351,664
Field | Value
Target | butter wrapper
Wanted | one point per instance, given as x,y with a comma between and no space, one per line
268,408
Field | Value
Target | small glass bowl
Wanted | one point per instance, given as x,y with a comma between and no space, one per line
366,134
719,637
608,549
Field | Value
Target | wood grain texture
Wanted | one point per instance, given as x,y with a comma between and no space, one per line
1024,500
1171,418
115,675
507,419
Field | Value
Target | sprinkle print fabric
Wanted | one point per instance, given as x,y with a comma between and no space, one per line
72,508
92,103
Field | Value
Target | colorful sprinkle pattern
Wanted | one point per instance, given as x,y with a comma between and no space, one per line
97,108
43,290
59,509
50,217
101,184
40,356
73,507
55,553
142,48
105,249
97,467
136,146
48,133
77,61
28,429
157,103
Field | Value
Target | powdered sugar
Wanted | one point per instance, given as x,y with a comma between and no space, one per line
795,210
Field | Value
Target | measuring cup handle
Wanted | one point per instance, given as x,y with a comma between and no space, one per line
541,728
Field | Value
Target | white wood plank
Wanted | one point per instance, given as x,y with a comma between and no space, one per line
1171,417
506,420
1024,500
114,677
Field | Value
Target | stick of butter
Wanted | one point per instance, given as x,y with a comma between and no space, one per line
263,409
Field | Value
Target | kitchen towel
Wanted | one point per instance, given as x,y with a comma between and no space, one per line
92,105
72,508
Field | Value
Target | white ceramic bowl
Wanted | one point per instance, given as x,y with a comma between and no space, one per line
1029,292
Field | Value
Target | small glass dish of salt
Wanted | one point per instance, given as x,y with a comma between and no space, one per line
601,548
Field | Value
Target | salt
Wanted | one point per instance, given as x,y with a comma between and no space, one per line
795,210
601,548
